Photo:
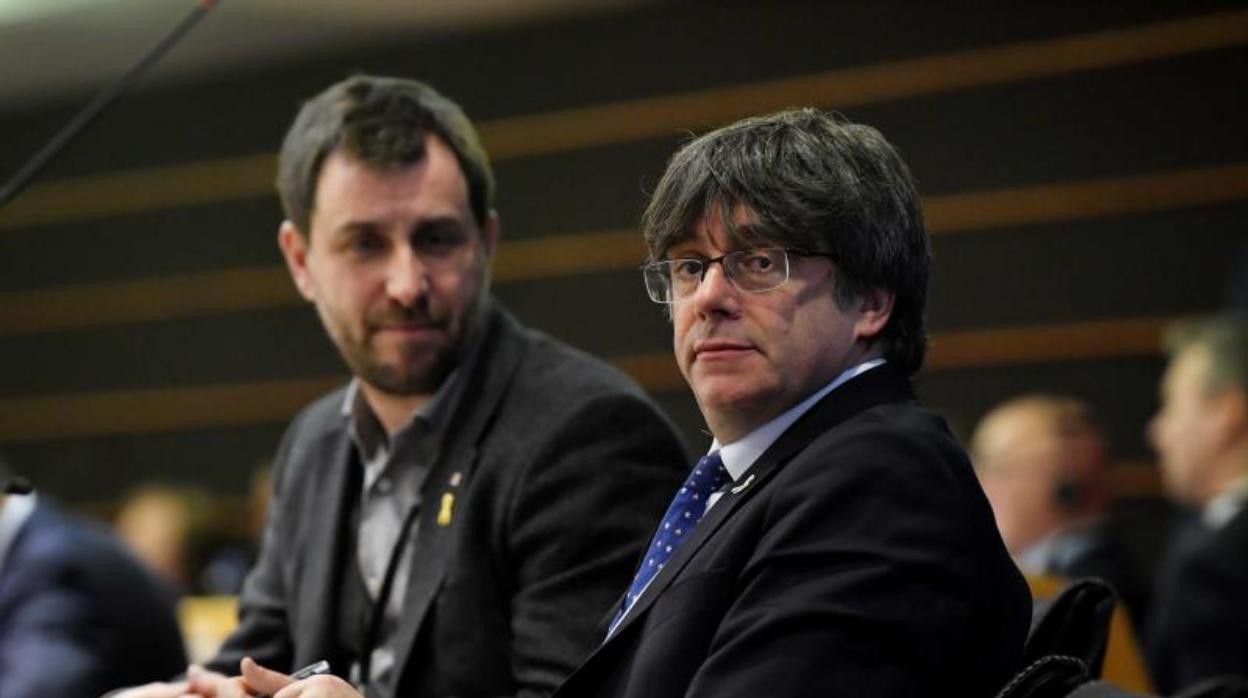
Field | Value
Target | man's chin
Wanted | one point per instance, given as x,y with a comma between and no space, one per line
403,386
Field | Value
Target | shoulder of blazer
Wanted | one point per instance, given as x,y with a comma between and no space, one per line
505,344
879,386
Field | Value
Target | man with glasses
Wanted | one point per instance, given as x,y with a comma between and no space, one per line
834,540
454,521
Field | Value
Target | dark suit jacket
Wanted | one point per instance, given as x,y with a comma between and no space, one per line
856,557
78,615
1200,612
565,467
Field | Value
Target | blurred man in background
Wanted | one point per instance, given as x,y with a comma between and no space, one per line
78,615
456,520
1198,622
1043,461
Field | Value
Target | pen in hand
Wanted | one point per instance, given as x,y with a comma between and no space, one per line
321,667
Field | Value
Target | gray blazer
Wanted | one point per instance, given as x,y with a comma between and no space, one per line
564,467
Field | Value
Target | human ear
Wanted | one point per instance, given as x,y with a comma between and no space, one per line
294,247
1230,415
490,231
875,307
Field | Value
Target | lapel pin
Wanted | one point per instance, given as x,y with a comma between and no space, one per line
742,487
444,512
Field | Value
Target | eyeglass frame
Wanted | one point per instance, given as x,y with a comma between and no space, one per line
653,267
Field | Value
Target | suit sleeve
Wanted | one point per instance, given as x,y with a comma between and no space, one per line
578,522
50,645
1195,641
263,632
861,580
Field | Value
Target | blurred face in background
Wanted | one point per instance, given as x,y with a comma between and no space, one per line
1018,459
396,264
1186,430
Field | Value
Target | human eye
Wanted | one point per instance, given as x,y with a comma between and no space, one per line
440,239
364,243
686,268
757,261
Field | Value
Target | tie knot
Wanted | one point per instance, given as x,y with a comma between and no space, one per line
708,475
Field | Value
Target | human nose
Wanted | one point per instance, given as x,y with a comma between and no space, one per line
406,277
715,294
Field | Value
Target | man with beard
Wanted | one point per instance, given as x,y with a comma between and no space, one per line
458,518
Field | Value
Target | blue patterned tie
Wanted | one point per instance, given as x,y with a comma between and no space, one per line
682,515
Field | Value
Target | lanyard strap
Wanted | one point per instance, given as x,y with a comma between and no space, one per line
378,615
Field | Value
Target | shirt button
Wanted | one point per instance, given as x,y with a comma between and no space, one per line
384,485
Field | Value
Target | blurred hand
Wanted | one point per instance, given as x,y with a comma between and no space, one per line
280,685
153,690
209,684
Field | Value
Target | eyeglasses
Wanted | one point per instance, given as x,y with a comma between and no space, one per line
752,271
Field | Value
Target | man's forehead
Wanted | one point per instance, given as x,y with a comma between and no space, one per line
1188,369
1013,430
745,231
436,177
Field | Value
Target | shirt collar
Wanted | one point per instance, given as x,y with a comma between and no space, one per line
1222,508
14,510
739,455
429,418
1056,549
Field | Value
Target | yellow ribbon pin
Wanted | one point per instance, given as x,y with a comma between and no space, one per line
444,513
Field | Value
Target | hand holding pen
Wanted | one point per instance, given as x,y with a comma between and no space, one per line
313,681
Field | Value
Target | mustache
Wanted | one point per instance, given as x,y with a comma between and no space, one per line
714,333
419,315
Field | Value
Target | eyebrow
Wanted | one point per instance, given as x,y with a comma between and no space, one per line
440,222
749,235
755,235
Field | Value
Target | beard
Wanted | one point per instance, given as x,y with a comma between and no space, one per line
417,366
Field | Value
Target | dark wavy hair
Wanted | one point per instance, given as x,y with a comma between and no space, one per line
816,183
382,122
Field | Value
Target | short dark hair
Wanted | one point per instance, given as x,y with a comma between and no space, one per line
382,122
1225,337
817,183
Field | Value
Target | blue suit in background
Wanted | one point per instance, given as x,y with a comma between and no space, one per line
78,615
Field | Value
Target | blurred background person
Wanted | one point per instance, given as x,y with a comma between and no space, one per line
78,615
1201,437
198,544
1043,461
156,523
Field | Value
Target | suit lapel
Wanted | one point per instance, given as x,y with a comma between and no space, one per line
323,574
502,348
874,387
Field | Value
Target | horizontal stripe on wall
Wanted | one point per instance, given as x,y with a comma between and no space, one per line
232,513
533,135
233,290
24,419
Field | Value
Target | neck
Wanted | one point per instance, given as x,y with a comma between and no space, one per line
393,411
729,426
1226,480
728,430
